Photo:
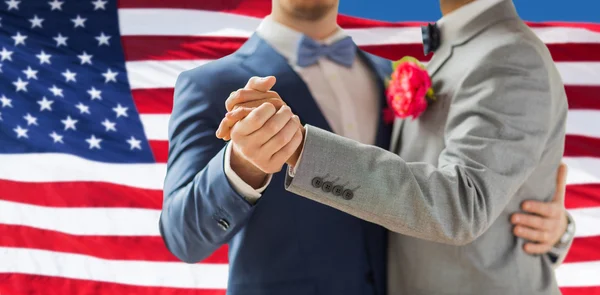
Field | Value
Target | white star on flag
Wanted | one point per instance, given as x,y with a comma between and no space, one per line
79,21
55,5
103,39
99,4
69,76
30,73
6,102
83,109
120,110
94,142
36,22
110,76
5,54
21,132
57,138
44,58
56,91
85,58
134,143
31,120
60,40
95,94
20,85
13,4
69,123
19,39
110,126
45,104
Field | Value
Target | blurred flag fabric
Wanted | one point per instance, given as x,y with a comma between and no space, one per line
85,96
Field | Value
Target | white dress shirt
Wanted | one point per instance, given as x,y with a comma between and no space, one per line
347,97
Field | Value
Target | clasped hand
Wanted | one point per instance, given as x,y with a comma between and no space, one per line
266,134
262,128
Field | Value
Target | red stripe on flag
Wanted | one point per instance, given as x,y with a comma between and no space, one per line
583,97
256,8
21,284
97,194
147,248
17,284
153,101
199,47
580,291
575,51
160,149
160,100
582,146
582,196
178,47
584,249
588,26
80,194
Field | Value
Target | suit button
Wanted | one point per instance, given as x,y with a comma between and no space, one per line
223,224
317,182
347,195
337,190
327,186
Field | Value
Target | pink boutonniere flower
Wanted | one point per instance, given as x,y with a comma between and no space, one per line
409,90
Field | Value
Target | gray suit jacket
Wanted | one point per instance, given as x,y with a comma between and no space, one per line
493,139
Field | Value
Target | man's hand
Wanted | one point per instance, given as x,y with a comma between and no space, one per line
266,137
255,93
545,223
242,102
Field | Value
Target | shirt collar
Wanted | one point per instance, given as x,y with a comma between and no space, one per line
456,20
285,39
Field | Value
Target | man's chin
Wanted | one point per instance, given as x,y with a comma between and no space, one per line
310,15
311,12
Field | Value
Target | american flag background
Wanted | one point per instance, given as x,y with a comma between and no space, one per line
86,89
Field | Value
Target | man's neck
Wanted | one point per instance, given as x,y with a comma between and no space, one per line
448,6
317,30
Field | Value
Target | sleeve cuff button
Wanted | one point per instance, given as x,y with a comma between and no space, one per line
348,195
223,224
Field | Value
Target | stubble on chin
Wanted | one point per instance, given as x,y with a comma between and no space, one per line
310,12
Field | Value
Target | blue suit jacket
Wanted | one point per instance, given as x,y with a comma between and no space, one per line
284,244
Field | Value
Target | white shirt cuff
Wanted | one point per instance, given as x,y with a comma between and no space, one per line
248,192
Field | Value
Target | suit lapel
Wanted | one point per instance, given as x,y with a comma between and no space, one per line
382,69
262,60
396,135
439,59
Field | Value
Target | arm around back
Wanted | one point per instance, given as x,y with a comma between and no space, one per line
201,210
495,135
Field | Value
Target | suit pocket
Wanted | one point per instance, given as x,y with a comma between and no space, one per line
284,288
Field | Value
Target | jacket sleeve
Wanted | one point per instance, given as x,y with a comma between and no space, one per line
558,255
201,210
495,135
